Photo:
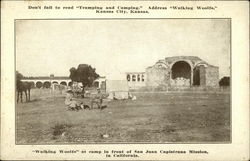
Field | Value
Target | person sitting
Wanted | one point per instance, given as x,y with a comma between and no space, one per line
70,103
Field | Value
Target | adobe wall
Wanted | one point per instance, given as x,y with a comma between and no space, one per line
160,73
202,75
157,76
212,76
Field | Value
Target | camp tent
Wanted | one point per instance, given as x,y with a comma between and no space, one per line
117,89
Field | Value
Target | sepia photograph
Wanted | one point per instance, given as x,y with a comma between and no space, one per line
108,81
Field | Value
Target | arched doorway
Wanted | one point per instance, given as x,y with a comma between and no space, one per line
70,83
96,84
54,82
39,84
181,72
63,83
46,84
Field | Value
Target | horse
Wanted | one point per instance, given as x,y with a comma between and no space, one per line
23,87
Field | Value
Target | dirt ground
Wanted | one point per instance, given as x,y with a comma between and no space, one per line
151,118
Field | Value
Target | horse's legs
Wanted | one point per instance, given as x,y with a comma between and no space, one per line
17,96
29,94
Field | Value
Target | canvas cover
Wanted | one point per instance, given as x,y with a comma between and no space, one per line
117,85
117,89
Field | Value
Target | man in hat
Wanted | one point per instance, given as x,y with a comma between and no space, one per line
97,99
70,103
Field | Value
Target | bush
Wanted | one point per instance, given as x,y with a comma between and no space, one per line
225,81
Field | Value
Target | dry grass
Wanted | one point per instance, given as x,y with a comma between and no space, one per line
153,117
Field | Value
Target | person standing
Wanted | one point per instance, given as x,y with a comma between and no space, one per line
97,99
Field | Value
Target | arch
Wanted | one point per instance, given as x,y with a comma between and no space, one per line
182,69
138,78
160,64
70,83
55,82
182,60
96,84
133,78
128,77
200,63
142,78
63,83
39,84
46,84
32,84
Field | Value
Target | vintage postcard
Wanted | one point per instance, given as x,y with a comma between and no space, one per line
125,80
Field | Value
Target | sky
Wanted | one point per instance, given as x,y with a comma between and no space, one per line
116,46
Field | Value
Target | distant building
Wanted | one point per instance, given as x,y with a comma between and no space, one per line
136,79
46,82
100,82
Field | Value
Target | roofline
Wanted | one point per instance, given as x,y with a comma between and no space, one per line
133,72
58,77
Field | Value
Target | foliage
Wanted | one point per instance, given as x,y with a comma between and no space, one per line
225,81
73,74
84,73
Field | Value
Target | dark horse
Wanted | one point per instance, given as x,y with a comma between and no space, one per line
23,87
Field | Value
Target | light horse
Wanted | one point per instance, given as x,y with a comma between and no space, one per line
23,87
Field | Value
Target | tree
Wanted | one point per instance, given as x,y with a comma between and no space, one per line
73,74
84,73
225,81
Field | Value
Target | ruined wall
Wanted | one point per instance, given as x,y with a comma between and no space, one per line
205,74
212,76
157,76
202,75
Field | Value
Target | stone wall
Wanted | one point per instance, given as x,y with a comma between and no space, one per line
157,76
136,84
212,76
202,75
